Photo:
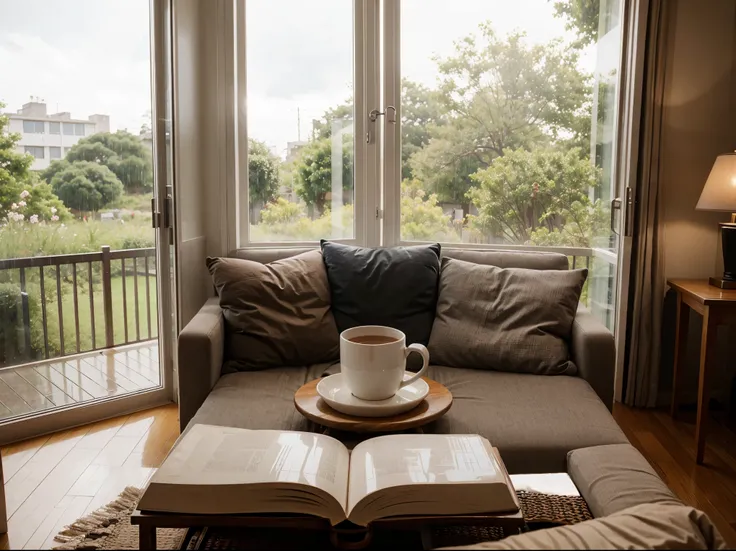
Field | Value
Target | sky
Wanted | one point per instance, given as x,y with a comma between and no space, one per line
93,56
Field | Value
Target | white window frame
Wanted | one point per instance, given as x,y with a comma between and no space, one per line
366,96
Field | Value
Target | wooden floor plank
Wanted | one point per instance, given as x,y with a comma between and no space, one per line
22,388
55,394
74,511
14,456
10,399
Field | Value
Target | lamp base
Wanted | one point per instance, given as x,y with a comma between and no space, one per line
722,283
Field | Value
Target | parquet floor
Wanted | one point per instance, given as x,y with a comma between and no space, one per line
67,381
51,481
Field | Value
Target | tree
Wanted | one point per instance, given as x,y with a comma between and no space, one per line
422,217
122,152
313,171
420,111
263,172
21,193
538,192
86,186
582,17
500,94
322,128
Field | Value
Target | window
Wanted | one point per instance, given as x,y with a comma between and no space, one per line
54,153
68,128
79,129
33,127
506,117
54,128
300,121
36,151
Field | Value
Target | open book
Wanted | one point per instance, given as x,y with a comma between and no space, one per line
222,470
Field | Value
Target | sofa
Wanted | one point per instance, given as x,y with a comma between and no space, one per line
534,420
539,423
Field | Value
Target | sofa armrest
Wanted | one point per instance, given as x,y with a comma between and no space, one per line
201,346
594,353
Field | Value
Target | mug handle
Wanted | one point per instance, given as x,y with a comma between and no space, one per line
422,350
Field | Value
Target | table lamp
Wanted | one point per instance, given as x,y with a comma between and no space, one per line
719,194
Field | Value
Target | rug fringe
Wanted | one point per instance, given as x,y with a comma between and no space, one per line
94,526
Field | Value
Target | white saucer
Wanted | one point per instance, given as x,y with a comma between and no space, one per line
334,391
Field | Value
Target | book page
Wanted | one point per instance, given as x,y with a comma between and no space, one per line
211,455
410,459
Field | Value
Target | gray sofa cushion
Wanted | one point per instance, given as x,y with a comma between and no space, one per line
277,314
510,319
534,420
260,399
616,477
649,526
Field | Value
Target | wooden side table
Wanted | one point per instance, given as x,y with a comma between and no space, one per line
717,306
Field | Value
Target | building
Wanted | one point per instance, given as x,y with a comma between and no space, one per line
49,137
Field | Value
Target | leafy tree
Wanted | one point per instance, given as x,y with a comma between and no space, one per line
500,94
538,192
19,186
313,171
86,186
122,152
263,172
422,217
582,17
322,128
420,111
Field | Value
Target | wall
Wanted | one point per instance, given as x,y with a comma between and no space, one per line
699,122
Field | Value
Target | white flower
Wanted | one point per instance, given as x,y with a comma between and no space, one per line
24,194
15,216
54,218
34,218
53,210
22,203
63,225
14,206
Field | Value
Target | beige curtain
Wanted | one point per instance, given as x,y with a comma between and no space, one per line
647,283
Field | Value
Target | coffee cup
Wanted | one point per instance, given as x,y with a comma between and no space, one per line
373,361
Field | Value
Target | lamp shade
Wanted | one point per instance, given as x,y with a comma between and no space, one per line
719,192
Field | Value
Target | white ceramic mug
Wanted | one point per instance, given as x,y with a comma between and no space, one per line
375,371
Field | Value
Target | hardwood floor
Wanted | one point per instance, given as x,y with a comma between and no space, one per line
52,480
95,375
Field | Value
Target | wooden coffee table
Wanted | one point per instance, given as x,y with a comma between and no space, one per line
314,408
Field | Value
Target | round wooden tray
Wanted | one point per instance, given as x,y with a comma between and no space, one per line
314,408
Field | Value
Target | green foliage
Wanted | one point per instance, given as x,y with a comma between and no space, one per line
285,221
500,94
122,152
263,172
323,127
524,192
420,111
582,16
422,218
313,171
85,185
21,193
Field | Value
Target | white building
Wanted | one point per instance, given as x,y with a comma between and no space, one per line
49,137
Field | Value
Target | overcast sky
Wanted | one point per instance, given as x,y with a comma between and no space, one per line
92,56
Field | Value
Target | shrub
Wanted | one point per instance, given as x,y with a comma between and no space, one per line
86,186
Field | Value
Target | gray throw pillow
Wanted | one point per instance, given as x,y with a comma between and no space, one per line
276,314
511,319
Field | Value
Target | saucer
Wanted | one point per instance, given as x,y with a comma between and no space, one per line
334,391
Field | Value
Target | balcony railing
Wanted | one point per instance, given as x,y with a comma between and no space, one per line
47,285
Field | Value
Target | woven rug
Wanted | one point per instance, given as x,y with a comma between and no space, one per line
109,527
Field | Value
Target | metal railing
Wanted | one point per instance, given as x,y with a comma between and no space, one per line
99,269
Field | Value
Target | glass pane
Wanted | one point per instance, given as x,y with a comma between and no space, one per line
300,119
86,191
501,103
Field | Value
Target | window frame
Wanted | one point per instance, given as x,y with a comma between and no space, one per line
35,148
58,125
35,127
54,148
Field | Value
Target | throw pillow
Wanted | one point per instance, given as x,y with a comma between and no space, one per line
277,314
396,287
511,319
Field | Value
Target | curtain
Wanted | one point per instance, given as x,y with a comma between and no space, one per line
647,282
